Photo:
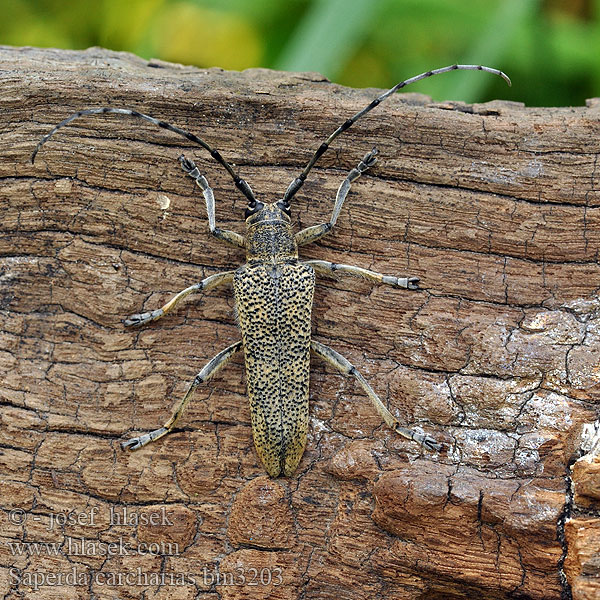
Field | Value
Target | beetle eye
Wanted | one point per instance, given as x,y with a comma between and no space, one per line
284,206
253,207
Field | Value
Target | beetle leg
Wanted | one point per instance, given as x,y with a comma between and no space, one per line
213,365
192,170
325,267
335,359
206,284
311,234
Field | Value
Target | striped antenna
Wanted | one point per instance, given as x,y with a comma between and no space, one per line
239,182
299,181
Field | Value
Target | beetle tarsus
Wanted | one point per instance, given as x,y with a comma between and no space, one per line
370,159
143,318
431,444
132,444
186,164
137,442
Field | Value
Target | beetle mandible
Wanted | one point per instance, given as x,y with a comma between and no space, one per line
273,295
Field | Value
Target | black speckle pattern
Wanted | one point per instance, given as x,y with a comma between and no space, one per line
274,302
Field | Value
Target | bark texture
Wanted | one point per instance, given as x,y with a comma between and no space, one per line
496,207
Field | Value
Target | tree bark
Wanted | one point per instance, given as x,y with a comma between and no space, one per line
495,207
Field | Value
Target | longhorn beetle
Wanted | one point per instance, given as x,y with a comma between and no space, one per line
273,297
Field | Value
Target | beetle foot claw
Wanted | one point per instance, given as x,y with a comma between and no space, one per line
409,283
431,444
412,283
143,318
132,444
426,441
370,158
137,442
421,438
186,164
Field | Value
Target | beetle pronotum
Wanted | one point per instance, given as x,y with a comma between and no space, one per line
273,296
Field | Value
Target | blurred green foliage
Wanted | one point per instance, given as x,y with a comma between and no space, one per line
550,48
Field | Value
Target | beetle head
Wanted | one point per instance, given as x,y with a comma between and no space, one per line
277,211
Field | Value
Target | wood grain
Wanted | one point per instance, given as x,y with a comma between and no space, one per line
496,207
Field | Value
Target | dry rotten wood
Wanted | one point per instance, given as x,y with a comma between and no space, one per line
496,207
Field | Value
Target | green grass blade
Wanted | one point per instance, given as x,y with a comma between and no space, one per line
328,36
489,50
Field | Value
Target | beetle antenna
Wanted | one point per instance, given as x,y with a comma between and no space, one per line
299,181
239,182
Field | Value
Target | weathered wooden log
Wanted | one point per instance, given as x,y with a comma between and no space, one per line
496,207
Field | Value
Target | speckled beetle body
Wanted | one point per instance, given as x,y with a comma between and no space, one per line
273,296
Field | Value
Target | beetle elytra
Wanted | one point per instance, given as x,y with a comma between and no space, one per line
273,294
